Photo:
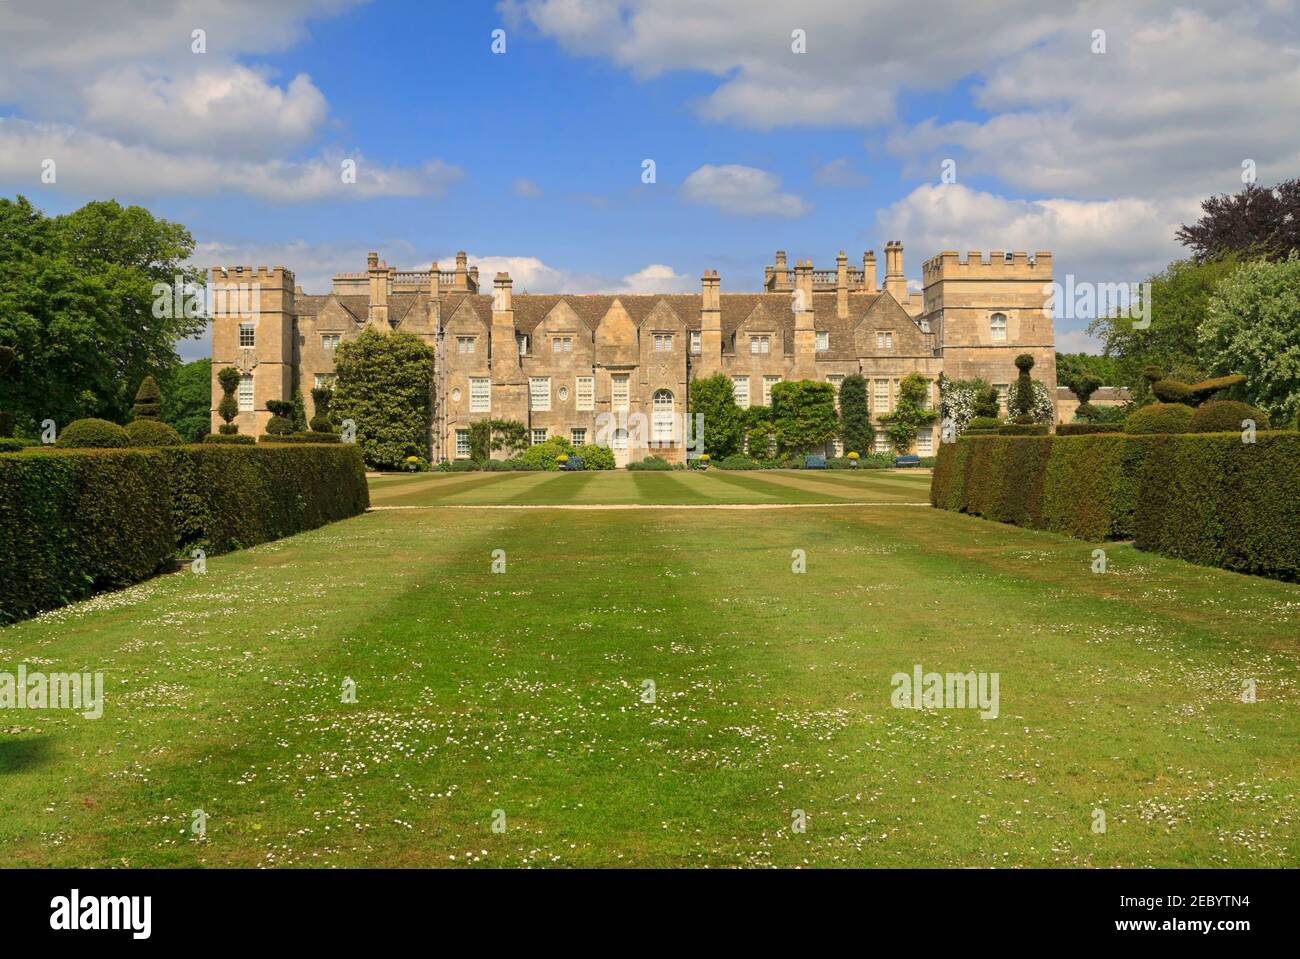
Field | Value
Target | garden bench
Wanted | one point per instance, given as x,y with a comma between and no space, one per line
908,460
814,462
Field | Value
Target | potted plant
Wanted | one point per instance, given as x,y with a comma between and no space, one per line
853,459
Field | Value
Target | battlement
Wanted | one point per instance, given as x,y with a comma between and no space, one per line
276,277
1019,265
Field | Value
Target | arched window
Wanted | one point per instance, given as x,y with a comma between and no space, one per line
998,326
662,416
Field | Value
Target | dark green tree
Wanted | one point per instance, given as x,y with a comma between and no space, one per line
803,415
321,398
856,432
384,385
187,399
911,412
1021,400
713,398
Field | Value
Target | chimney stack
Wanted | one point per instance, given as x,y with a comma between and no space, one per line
869,271
842,286
710,360
379,275
501,294
782,277
895,281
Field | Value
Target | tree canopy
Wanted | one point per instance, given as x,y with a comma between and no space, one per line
714,399
384,384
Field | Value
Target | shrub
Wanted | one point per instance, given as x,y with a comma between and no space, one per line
9,444
79,521
737,461
92,434
281,421
1023,429
384,385
984,423
651,463
151,433
595,457
1226,416
547,455
1021,400
1079,429
459,466
1159,418
148,401
512,465
229,439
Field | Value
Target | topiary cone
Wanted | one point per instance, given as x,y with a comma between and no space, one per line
148,400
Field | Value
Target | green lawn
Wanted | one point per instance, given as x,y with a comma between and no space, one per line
521,691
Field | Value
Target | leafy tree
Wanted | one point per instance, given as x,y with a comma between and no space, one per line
1180,299
148,400
384,384
856,432
803,415
1251,328
187,399
910,413
714,399
1257,221
77,307
1070,366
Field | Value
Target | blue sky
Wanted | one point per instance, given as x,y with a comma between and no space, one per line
531,159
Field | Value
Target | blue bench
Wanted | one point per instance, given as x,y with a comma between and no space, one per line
814,462
909,460
573,463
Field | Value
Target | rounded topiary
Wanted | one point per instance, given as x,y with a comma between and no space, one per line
1160,418
151,433
1226,416
92,433
148,400
281,421
1025,362
983,423
320,421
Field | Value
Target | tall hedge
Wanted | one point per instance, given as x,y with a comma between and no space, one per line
80,521
1206,498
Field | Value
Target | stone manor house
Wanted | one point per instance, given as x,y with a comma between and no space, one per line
583,366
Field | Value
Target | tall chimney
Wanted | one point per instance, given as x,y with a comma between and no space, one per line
461,282
710,360
869,271
895,281
434,290
782,284
379,276
842,286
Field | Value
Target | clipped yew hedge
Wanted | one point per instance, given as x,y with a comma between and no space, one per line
1205,498
80,521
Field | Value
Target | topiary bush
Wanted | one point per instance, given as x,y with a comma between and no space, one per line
281,421
984,423
92,434
1160,418
1024,429
1021,401
595,457
1226,416
736,461
151,433
229,439
228,378
300,438
148,400
320,420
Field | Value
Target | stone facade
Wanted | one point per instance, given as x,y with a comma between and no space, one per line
557,362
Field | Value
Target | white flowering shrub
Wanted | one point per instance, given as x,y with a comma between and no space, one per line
1044,409
957,402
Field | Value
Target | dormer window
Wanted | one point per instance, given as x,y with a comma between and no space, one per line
884,340
464,344
998,326
760,344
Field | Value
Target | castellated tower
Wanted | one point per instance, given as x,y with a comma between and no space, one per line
985,313
253,331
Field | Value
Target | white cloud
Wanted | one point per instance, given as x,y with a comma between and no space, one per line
532,275
1094,241
526,188
838,173
230,107
742,191
88,164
